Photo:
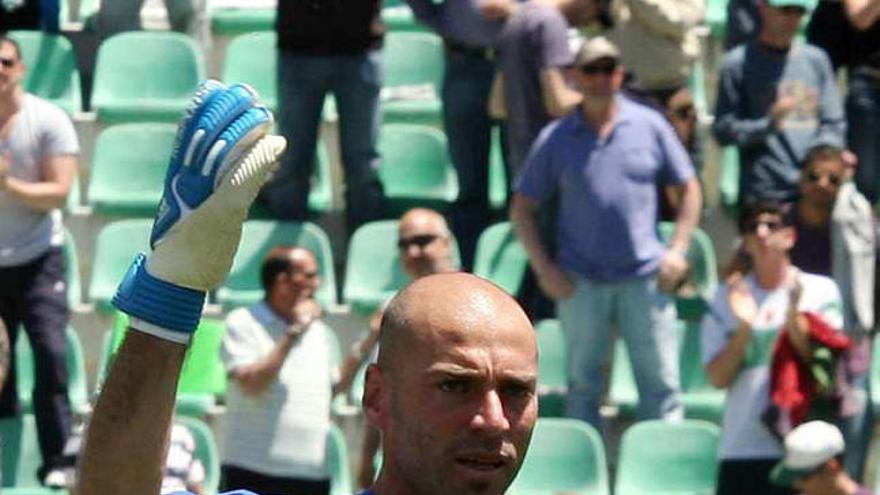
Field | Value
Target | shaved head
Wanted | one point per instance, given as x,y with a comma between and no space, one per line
453,391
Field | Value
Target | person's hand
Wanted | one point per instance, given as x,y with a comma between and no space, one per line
555,282
494,10
783,105
221,157
303,314
673,270
795,286
742,302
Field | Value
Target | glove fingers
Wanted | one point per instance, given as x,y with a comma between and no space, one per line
244,181
215,117
235,141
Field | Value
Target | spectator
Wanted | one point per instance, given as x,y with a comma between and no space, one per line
745,319
38,162
864,93
813,462
425,248
469,29
776,99
835,238
29,14
658,44
280,360
533,54
184,16
328,47
604,162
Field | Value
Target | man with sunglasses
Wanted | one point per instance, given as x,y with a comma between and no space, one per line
776,99
279,355
836,238
38,162
605,161
739,332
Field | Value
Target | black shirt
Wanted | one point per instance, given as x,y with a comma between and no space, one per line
329,27
812,249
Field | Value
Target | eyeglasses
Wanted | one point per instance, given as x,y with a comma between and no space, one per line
593,69
833,179
416,240
792,10
683,112
8,63
772,225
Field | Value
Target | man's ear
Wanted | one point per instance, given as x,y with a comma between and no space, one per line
375,399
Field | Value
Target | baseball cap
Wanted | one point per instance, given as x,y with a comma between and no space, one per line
807,5
806,448
595,48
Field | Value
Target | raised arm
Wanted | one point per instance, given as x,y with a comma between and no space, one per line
221,158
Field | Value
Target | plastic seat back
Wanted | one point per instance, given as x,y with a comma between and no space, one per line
552,370
682,458
253,59
413,59
243,287
115,247
128,168
500,257
416,169
51,68
71,269
145,76
21,451
565,455
372,271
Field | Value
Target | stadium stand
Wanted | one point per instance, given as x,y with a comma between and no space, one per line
413,77
682,458
565,456
154,85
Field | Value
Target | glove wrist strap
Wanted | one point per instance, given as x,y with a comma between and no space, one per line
160,304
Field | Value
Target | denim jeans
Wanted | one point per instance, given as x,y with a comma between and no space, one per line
645,319
863,131
184,16
466,86
303,83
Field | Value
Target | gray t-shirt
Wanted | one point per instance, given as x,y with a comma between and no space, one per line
752,76
41,130
533,39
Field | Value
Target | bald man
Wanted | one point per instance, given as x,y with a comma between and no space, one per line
424,244
280,359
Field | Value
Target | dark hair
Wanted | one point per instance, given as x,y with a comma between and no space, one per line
277,261
752,209
823,152
4,38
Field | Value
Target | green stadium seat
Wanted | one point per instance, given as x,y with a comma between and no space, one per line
243,286
697,86
71,269
128,168
552,372
21,451
716,17
681,457
397,16
242,65
236,21
497,173
500,257
372,271
206,451
413,60
704,273
337,459
115,248
51,68
33,490
144,76
203,377
416,169
565,456
701,400
728,186
77,387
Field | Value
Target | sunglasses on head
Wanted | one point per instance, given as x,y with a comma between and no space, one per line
833,179
416,240
8,63
772,225
606,68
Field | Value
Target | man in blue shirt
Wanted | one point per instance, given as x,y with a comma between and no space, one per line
604,162
452,391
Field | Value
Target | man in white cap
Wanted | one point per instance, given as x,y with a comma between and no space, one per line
813,462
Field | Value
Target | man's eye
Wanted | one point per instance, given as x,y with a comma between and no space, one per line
518,391
454,386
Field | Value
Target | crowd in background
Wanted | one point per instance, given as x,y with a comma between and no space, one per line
601,144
